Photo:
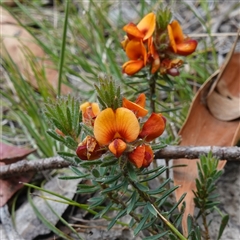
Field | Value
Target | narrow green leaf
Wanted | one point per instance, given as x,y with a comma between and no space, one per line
119,215
77,171
85,186
71,143
58,125
104,211
141,224
150,223
167,193
160,188
224,222
132,172
96,202
109,162
54,135
156,191
177,204
142,187
152,170
154,175
189,223
61,116
90,163
95,173
88,190
112,179
151,209
133,201
113,188
177,220
132,223
73,177
69,119
210,205
67,154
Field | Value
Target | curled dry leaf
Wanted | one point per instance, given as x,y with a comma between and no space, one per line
19,44
224,101
10,154
212,121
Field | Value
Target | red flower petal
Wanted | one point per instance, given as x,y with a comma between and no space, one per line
153,127
133,66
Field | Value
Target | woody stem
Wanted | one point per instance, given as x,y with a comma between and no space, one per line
152,85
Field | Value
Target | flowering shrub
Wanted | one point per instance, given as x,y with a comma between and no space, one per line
122,131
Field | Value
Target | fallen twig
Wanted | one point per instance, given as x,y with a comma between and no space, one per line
24,166
193,152
169,152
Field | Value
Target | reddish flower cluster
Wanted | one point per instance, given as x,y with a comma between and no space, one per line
120,132
140,47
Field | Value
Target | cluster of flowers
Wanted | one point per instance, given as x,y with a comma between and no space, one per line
121,131
147,44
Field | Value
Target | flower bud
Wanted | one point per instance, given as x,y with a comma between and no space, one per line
153,127
141,156
89,149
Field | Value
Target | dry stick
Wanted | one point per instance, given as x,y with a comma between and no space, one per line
25,166
171,152
190,152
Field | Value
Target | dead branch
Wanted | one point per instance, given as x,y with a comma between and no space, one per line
192,152
24,166
169,152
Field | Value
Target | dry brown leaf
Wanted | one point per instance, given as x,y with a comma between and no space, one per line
23,49
10,154
202,128
224,101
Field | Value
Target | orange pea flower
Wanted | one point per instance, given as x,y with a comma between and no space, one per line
89,112
137,55
89,149
143,30
180,44
138,107
153,127
141,156
113,127
134,43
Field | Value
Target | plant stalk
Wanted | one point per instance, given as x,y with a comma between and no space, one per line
60,69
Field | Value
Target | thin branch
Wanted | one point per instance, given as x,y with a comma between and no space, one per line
190,152
24,166
169,152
